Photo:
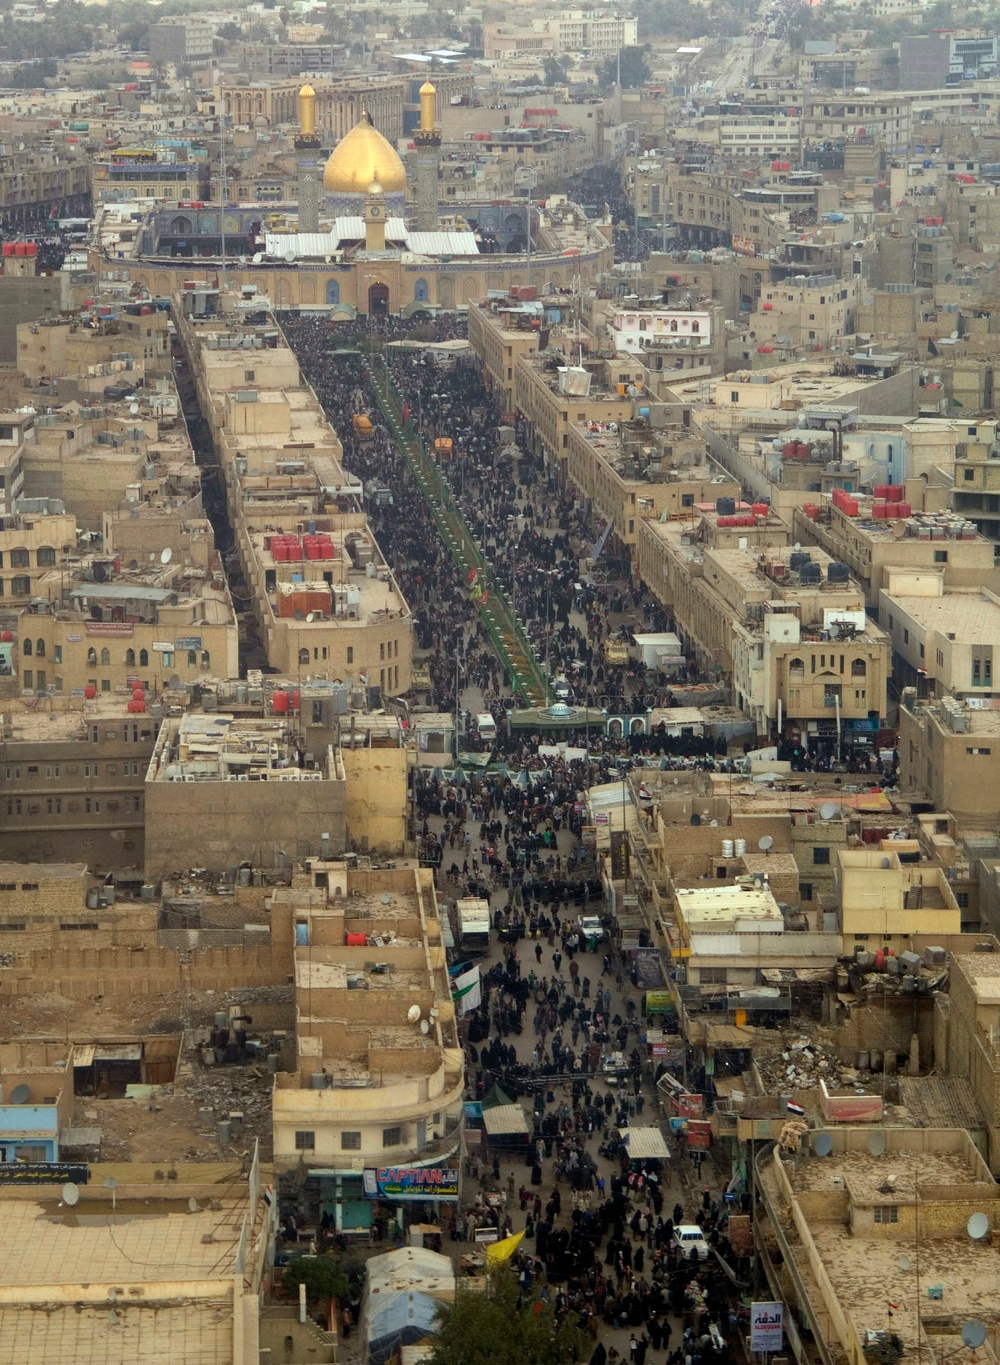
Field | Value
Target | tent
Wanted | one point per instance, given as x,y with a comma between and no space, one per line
644,1143
506,1125
403,1292
398,1319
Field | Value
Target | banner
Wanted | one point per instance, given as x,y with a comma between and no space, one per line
503,1250
467,990
409,1182
767,1326
602,539
42,1173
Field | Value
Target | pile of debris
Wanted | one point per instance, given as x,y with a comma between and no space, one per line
803,1063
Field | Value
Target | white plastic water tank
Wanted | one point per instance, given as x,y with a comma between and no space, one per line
727,848
741,847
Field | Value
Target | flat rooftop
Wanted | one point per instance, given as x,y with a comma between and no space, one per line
968,618
140,1241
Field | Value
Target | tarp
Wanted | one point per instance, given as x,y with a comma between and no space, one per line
412,1268
645,1143
503,1250
505,1120
396,1319
496,1096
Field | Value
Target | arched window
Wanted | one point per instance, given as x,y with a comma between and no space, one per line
206,659
39,649
143,658
695,326
20,559
105,657
420,291
46,556
333,291
796,666
642,325
91,655
303,656
192,658
859,669
673,324
27,647
130,658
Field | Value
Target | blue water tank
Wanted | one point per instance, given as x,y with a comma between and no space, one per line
644,412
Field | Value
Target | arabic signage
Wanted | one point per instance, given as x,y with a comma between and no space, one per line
188,642
108,627
699,1135
767,1326
658,1002
42,1173
410,1182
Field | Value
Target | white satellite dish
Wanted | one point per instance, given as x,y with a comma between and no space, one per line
827,810
978,1226
70,1193
905,1263
425,1027
166,555
765,842
822,1144
413,1013
192,1205
876,1143
133,408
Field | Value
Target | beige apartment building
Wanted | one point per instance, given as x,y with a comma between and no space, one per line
379,1073
222,789
551,401
884,903
29,545
326,602
72,784
945,638
949,755
499,334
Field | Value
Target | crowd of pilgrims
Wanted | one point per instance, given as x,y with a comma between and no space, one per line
613,1258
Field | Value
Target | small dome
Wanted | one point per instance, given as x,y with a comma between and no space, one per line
307,93
428,89
362,158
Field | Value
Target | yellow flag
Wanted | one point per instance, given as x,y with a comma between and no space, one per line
498,1252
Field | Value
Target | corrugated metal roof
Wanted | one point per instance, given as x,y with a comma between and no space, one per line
645,1143
505,1118
443,243
351,228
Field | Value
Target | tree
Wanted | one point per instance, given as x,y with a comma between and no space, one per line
323,1278
555,71
634,68
504,1326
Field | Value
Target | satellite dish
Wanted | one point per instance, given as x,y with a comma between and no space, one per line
765,842
978,1226
714,824
70,1193
133,408
696,819
310,616
110,1182
21,1094
413,1013
954,337
192,1205
166,555
798,546
822,1144
827,810
885,863
905,1263
876,1143
973,1333
386,898
425,1027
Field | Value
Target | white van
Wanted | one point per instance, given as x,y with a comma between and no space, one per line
486,726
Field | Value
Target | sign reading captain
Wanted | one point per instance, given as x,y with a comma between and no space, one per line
410,1182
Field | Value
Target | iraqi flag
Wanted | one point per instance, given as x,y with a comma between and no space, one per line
794,1108
467,990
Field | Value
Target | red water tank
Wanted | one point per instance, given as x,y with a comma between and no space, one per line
312,546
896,492
8,248
295,700
356,940
789,449
6,635
32,249
137,706
903,509
90,691
279,703
294,546
279,549
879,511
850,507
881,491
761,509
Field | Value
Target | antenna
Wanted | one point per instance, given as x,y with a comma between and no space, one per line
973,1333
70,1194
822,1144
166,555
876,1143
978,1226
21,1094
765,843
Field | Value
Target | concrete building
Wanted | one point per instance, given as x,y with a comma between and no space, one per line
372,1086
72,784
949,755
966,1027
29,545
597,34
846,1224
885,903
221,787
943,637
183,40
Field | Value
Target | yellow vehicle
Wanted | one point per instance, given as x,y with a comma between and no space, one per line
615,652
363,428
443,447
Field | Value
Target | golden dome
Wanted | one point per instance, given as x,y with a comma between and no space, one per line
362,158
427,89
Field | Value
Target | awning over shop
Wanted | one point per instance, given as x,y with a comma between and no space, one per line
505,1120
645,1143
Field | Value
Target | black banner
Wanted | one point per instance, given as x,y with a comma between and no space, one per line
42,1173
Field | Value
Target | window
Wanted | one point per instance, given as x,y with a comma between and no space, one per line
821,856
392,1137
979,752
249,375
350,1142
805,891
20,559
27,648
712,976
734,396
969,475
143,658
130,658
940,556
46,556
859,668
20,585
168,658
29,680
206,659
305,1140
350,654
92,656
57,654
105,657
885,1213
192,658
